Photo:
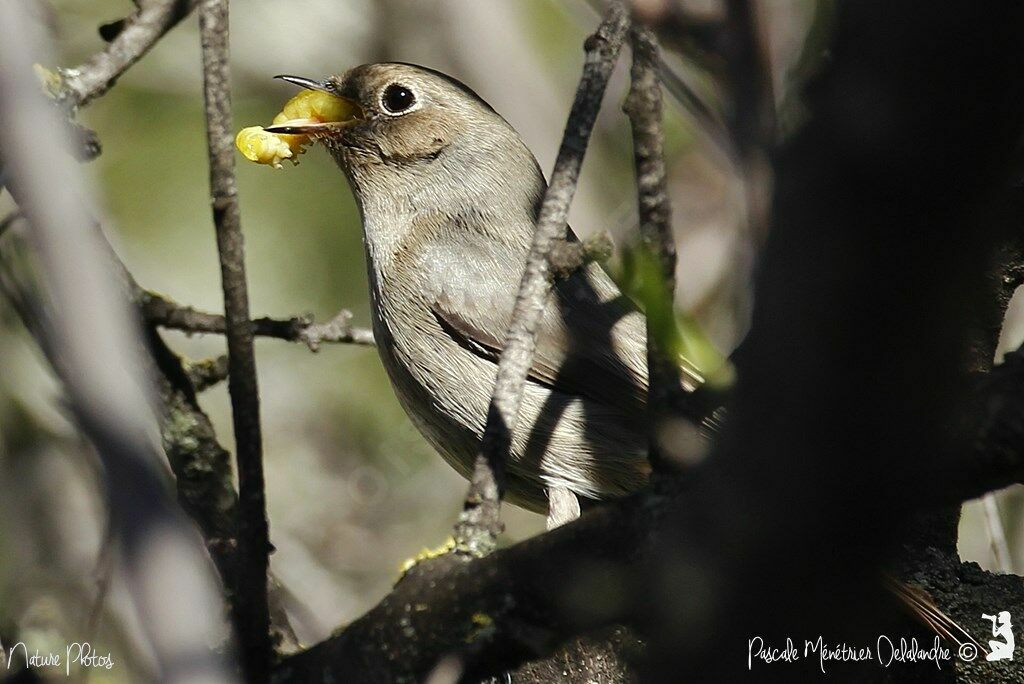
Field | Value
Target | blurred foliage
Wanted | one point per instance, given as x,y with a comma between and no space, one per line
680,335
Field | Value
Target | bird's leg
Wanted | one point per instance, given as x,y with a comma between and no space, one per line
563,506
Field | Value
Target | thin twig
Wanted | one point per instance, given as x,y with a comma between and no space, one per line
142,30
166,313
643,106
480,524
709,123
251,613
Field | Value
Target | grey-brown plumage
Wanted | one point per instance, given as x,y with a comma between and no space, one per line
448,195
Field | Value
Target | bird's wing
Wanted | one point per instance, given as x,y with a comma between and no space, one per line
590,342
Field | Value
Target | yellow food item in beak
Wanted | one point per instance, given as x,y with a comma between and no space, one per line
308,108
262,147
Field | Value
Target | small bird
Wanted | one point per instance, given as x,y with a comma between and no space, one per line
449,195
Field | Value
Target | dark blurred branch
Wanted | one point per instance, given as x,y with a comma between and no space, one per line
520,605
750,109
751,106
848,384
479,524
140,32
93,345
251,618
166,313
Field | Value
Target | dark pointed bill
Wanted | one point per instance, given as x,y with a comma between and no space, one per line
302,127
303,82
343,112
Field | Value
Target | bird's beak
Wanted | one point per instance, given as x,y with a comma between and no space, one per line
303,82
329,111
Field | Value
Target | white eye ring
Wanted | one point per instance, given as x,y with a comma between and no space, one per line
397,99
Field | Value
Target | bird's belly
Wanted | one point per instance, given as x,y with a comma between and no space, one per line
559,439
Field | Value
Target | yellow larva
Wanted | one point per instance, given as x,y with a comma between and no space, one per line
309,106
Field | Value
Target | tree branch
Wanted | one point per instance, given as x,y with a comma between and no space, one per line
166,313
142,30
252,619
493,612
673,26
479,524
202,469
643,106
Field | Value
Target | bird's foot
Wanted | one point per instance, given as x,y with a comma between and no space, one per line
563,506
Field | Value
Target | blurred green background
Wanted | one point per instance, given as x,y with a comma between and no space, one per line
352,488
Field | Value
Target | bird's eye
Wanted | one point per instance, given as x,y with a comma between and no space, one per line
397,98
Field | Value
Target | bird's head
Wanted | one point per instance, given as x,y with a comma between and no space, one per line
403,128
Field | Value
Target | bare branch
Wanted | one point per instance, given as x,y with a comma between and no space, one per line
141,31
166,313
338,329
251,614
670,22
202,469
479,524
644,107
496,611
